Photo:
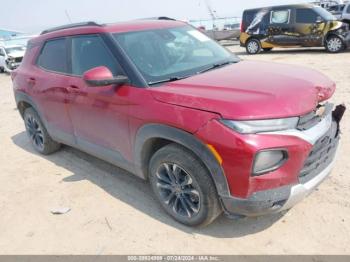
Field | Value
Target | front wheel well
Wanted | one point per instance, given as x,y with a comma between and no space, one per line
150,147
330,34
22,106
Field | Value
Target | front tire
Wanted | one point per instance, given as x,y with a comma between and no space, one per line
334,44
37,133
253,46
183,186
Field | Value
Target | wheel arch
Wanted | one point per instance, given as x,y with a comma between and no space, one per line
152,137
23,101
333,33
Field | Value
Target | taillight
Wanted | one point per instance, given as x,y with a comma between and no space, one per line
242,30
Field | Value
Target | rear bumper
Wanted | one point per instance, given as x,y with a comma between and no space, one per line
275,200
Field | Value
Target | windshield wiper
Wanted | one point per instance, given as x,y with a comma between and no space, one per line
170,79
217,65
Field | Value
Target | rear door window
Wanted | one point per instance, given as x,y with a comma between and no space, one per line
53,56
280,16
90,51
306,16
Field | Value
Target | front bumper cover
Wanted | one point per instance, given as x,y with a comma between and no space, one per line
275,200
282,198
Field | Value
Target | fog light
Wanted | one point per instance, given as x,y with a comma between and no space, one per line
268,160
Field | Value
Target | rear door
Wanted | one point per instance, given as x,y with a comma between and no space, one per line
48,83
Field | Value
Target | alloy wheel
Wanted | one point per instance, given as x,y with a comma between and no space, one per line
177,190
334,44
253,47
35,132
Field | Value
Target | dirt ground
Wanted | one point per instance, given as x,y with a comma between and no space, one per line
113,212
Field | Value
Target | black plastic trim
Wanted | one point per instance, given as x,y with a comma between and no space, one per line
73,25
259,203
152,131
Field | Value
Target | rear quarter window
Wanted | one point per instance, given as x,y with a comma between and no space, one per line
53,56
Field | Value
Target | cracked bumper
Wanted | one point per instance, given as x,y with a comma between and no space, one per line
325,140
273,201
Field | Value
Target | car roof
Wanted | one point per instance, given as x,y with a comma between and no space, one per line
94,28
282,6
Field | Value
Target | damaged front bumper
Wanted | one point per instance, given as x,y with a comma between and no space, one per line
325,139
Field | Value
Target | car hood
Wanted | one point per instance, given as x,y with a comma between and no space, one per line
250,90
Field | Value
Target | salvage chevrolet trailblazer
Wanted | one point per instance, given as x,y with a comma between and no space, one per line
211,133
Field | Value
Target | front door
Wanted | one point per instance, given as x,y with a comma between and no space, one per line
99,114
309,26
281,31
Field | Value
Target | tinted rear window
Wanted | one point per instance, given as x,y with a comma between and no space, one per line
306,16
53,56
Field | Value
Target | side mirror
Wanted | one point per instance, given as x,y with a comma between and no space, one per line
102,76
319,20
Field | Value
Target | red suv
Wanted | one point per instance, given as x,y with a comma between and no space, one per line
160,99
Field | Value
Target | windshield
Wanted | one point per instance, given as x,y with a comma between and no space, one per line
10,50
172,53
324,14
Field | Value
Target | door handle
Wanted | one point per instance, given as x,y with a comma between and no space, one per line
73,87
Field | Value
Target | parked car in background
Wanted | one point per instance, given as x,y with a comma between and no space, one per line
341,12
210,132
11,57
292,26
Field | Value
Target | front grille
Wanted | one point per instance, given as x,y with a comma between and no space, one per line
321,155
18,59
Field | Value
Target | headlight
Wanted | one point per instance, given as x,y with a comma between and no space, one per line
10,60
258,126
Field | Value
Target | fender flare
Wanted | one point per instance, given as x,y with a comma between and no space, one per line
23,97
150,132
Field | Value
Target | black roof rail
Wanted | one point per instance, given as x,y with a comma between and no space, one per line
158,18
166,18
90,23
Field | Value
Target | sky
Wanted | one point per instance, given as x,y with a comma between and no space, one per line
32,16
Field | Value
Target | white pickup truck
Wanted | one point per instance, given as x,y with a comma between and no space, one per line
11,57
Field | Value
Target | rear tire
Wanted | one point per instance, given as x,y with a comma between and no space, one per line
253,46
37,133
334,44
183,186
